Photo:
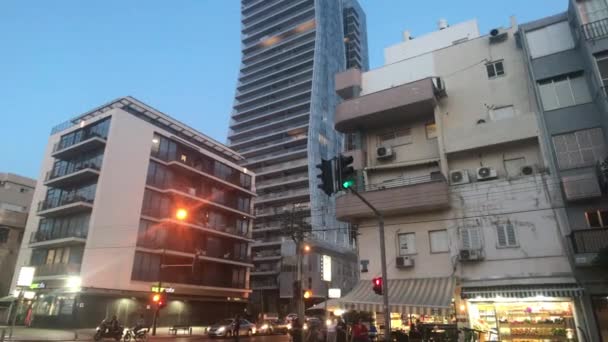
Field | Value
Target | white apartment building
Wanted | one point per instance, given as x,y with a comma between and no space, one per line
445,142
111,182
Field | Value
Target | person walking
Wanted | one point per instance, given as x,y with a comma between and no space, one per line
236,328
360,332
341,330
332,330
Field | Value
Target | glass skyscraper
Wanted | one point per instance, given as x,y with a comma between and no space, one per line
283,124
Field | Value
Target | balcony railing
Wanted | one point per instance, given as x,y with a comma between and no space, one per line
256,284
589,240
50,175
596,29
61,146
41,236
267,254
56,269
46,204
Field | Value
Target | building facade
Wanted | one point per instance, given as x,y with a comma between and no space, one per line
282,123
566,59
15,198
446,145
112,181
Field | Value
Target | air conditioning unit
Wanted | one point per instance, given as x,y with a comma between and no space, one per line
527,170
192,191
498,35
404,262
384,152
486,173
459,177
471,255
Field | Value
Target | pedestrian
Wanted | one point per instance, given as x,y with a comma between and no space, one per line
236,328
341,330
360,332
332,330
296,330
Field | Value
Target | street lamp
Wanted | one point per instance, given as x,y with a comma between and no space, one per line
181,214
306,248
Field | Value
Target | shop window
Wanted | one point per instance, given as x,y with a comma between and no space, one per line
470,238
431,130
439,241
407,243
4,234
495,69
579,149
506,235
597,218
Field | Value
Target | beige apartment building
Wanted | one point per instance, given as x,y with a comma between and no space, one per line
15,198
111,184
445,143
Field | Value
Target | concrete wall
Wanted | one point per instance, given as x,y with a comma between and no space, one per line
398,73
431,41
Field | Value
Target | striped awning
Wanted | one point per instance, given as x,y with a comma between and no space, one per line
523,291
425,296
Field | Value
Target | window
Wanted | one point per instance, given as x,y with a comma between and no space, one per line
502,113
550,39
431,130
564,91
495,69
350,141
4,234
470,238
407,243
395,137
506,235
597,218
602,65
439,241
579,149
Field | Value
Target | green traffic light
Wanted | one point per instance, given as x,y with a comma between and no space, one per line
347,184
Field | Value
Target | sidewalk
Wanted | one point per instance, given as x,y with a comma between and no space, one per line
35,334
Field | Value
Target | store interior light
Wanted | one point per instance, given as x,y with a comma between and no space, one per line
73,282
462,307
338,312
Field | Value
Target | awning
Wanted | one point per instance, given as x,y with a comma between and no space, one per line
425,296
523,291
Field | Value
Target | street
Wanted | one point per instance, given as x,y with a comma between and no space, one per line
271,338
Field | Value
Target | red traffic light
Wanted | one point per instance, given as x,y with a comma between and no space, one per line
377,282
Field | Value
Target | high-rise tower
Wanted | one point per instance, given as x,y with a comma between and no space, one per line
283,124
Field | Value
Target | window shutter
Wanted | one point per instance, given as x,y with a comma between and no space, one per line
502,235
475,236
465,238
510,230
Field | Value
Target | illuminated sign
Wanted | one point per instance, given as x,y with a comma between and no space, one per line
326,268
335,293
40,285
26,276
166,289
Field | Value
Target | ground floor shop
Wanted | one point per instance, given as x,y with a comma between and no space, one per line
524,313
599,304
85,309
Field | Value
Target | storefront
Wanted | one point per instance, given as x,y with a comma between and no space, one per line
523,313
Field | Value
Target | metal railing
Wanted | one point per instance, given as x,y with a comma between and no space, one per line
267,254
61,146
44,205
57,269
70,170
402,181
41,236
266,269
282,194
280,210
264,283
591,240
596,29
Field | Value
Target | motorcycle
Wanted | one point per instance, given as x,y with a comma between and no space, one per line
140,335
103,331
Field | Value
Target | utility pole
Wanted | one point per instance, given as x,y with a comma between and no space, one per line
387,313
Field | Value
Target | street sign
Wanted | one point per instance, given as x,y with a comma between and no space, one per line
326,267
335,293
26,276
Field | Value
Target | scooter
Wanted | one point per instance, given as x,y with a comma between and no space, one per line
140,335
104,332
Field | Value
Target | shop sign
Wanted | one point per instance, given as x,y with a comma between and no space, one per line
326,268
36,286
335,293
26,276
166,289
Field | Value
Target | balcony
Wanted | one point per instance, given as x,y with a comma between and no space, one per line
267,242
396,197
389,106
586,243
297,140
595,30
81,174
291,166
64,206
267,255
12,218
264,284
582,186
295,180
282,196
271,211
57,270
264,270
87,143
348,83
48,239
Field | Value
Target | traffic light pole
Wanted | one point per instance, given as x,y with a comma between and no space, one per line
387,313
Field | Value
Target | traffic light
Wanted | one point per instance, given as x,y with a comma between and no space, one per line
160,299
326,177
346,172
377,282
307,294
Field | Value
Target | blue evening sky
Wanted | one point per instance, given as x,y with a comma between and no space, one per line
61,58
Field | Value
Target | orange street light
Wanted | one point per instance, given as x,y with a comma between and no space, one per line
307,294
181,214
156,298
306,248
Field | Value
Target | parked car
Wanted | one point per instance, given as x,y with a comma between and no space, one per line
290,317
269,327
225,328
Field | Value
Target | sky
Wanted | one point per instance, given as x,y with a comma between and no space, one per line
61,58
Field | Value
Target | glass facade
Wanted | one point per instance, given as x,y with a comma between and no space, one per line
98,129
